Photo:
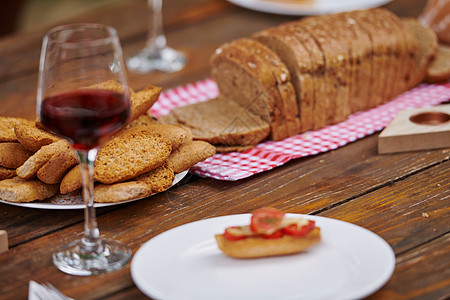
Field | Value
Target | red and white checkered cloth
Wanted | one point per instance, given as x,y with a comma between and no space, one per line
268,155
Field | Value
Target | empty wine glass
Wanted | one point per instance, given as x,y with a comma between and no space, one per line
156,55
74,102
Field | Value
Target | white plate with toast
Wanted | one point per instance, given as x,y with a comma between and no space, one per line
349,262
70,201
307,7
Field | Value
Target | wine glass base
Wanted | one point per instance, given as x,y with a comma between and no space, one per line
148,60
108,256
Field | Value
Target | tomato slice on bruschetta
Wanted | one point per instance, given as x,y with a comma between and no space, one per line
266,220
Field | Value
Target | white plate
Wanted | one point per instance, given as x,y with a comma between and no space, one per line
316,7
185,263
76,202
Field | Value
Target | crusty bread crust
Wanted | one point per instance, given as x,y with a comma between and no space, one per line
254,247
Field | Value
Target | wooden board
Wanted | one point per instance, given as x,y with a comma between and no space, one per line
417,129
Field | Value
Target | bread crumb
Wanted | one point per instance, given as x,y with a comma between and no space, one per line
425,215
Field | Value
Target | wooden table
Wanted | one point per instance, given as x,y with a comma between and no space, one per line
404,198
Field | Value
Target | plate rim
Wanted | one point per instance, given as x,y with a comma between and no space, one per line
369,289
302,9
50,206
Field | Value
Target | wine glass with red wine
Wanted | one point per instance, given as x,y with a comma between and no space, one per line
75,101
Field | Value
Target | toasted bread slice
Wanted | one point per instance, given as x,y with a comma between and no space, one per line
132,152
123,191
32,137
6,173
54,170
13,155
160,179
7,124
21,190
40,158
71,180
189,154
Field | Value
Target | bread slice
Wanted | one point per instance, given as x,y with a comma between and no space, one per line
143,100
241,77
439,69
7,124
336,66
317,62
21,190
361,59
6,173
142,120
296,58
71,181
288,104
381,60
32,137
56,167
40,158
123,191
189,154
428,46
220,121
13,155
131,153
402,60
176,135
160,179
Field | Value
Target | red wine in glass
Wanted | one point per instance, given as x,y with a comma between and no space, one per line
85,117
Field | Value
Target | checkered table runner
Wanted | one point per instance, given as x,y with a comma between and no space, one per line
268,155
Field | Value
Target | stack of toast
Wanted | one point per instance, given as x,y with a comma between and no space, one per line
307,74
136,162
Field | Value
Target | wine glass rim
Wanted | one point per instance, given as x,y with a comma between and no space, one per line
80,26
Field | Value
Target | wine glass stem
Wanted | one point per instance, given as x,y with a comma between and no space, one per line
91,232
156,38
